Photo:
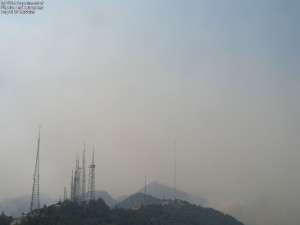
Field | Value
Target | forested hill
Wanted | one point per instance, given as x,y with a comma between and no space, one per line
98,213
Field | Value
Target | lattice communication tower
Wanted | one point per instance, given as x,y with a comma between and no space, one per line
35,198
91,184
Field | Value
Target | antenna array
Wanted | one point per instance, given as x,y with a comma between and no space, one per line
78,181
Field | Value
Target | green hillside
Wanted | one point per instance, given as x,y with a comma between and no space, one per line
98,213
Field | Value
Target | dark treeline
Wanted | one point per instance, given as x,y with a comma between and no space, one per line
5,220
98,213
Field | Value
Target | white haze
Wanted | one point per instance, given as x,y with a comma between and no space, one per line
128,77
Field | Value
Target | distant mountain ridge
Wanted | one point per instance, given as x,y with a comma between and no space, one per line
110,201
156,192
138,199
16,206
162,191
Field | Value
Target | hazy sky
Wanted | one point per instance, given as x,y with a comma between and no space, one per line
130,76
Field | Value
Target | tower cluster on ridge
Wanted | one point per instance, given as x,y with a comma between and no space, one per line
78,181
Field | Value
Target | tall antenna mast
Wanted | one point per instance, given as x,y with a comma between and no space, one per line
77,181
83,194
175,190
91,188
145,194
35,198
145,184
72,188
65,194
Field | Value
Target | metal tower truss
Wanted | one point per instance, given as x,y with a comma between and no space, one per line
65,194
83,193
91,184
35,198
77,184
78,181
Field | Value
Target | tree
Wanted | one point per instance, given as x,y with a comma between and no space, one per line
5,220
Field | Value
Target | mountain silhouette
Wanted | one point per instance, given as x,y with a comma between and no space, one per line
161,191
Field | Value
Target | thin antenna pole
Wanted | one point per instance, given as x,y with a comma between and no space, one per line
145,196
65,193
83,194
38,201
72,188
145,184
175,188
93,155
